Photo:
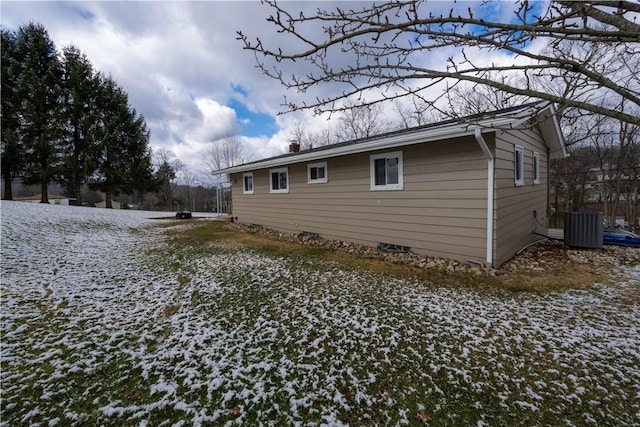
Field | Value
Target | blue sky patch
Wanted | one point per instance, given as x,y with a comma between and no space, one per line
252,123
500,11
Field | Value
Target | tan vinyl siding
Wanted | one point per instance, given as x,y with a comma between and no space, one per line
515,222
441,211
439,207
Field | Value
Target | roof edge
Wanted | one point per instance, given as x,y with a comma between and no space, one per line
400,140
551,132
489,122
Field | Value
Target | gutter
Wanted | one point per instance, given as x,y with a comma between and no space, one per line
487,153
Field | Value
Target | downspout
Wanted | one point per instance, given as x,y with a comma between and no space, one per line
487,153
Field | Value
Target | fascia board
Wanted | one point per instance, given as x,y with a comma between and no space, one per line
549,127
551,132
561,151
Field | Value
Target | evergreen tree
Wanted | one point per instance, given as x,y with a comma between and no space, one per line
80,116
138,154
165,176
12,156
123,157
63,122
38,78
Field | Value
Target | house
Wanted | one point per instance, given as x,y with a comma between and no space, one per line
54,199
474,190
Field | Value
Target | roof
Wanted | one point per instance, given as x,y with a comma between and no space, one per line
39,196
509,118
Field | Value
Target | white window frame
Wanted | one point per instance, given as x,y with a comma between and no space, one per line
372,171
536,167
246,190
279,171
316,166
518,164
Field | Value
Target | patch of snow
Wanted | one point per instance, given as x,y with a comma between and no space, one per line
85,291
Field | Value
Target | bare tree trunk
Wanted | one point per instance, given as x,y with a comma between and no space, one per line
44,192
632,209
634,213
78,195
108,195
8,190
614,209
607,211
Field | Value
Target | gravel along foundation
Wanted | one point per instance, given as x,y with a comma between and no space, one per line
106,321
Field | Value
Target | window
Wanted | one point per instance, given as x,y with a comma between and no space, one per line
536,168
279,180
317,173
247,183
519,165
386,171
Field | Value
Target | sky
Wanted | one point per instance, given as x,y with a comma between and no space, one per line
184,69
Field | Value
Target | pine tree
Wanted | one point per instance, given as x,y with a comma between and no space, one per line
38,75
12,149
80,86
165,176
123,158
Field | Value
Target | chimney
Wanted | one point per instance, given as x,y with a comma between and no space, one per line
294,147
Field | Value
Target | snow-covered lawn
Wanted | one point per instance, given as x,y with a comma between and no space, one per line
105,322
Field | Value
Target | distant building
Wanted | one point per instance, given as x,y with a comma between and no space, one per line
54,199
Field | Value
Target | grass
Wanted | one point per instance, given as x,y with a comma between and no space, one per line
200,236
249,330
569,276
459,392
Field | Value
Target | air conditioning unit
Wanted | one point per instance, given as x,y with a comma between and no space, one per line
583,229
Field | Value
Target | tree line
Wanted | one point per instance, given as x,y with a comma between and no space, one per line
65,122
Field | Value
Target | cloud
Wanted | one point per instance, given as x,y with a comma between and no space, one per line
179,62
192,137
186,72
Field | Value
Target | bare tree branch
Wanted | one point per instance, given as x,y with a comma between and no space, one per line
362,122
380,48
224,153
